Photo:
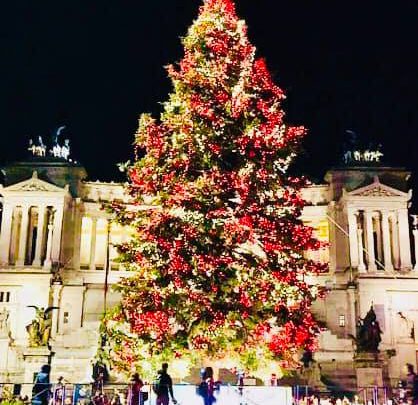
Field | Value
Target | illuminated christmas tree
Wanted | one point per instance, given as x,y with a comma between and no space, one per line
218,260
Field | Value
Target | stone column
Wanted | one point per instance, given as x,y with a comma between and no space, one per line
404,239
56,290
107,249
40,236
48,262
379,239
23,237
5,233
370,240
14,243
387,249
351,291
415,233
361,266
352,235
78,231
93,243
395,240
57,234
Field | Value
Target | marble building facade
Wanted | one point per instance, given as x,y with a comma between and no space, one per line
57,249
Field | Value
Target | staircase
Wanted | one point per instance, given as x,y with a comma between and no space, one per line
339,376
335,357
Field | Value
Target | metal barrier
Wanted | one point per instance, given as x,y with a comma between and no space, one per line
305,395
117,394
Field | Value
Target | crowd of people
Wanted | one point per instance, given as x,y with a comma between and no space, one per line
45,393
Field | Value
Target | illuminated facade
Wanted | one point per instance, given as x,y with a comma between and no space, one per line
56,243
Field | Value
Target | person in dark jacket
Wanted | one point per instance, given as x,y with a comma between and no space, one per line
207,386
41,388
412,384
164,387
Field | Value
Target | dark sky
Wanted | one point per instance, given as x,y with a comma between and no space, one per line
95,65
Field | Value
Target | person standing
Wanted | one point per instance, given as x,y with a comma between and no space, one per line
100,376
164,387
412,384
135,394
41,388
208,382
59,392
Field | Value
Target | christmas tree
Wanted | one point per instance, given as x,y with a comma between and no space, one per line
218,257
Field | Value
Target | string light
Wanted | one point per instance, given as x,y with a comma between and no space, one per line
218,269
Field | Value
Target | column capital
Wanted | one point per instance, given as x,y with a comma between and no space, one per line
7,205
24,206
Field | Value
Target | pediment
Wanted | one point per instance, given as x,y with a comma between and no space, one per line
34,185
378,189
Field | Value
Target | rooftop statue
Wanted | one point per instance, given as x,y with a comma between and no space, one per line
60,151
57,150
38,148
65,149
354,153
56,135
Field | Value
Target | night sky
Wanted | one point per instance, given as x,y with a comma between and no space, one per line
95,65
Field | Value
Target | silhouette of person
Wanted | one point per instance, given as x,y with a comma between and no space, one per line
207,387
41,388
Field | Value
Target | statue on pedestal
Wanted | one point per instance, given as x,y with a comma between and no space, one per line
368,333
39,330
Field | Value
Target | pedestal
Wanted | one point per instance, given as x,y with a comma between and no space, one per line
313,377
369,377
371,371
34,358
4,354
